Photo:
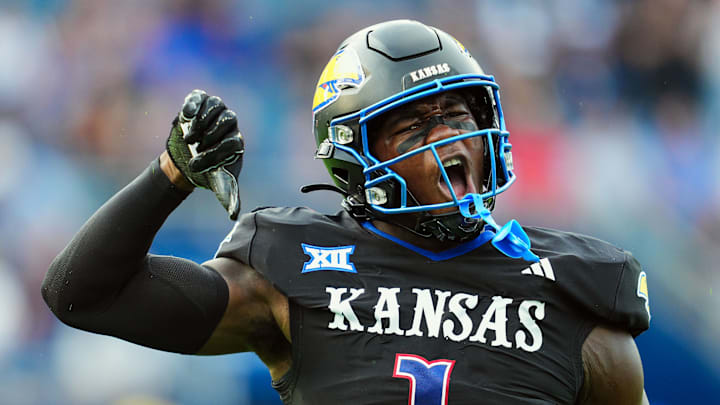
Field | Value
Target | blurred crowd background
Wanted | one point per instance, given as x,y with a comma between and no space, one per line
613,109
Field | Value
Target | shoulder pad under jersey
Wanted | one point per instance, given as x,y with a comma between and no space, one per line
603,279
272,241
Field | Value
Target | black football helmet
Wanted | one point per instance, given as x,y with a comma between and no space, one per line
381,68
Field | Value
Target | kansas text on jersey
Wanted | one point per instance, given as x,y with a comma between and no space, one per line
447,316
374,321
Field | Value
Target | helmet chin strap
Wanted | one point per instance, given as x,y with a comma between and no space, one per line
450,226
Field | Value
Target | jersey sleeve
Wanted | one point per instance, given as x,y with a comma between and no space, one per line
632,300
267,240
597,277
238,243
270,240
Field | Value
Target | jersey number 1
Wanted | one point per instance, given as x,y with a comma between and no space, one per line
429,380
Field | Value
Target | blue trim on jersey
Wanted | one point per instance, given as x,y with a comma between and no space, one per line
459,250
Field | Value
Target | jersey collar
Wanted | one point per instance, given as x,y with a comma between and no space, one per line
456,251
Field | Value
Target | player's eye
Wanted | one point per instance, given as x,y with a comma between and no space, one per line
457,111
413,127
409,127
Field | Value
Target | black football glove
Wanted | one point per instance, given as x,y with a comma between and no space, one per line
206,146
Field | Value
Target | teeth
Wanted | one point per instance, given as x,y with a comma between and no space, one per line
452,162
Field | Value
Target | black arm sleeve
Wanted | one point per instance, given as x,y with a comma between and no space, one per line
105,281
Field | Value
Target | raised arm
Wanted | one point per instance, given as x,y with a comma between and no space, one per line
105,281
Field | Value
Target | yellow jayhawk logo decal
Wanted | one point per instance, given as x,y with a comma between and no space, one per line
462,48
642,291
343,71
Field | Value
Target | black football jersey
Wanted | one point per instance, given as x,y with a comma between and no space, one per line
375,320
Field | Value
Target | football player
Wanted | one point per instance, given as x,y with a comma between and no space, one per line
412,293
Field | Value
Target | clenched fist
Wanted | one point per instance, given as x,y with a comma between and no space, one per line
207,148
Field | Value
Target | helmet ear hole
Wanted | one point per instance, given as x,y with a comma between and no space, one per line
341,175
482,108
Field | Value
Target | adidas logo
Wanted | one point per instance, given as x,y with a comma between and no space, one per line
542,269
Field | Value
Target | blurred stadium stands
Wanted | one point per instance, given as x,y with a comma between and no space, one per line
613,108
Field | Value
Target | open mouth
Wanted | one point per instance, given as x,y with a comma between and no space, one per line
457,173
